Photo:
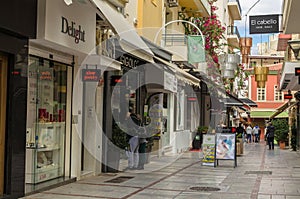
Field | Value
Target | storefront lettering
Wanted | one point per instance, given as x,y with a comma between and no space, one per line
45,75
129,61
264,22
91,75
70,30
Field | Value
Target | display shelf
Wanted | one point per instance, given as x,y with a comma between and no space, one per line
44,154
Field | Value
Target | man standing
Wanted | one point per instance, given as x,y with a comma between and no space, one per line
270,135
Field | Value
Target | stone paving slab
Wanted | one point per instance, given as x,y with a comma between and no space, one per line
260,174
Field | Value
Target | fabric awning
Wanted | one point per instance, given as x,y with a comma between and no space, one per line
181,74
267,114
282,108
130,41
231,101
248,101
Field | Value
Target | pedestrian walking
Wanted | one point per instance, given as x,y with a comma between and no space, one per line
249,131
256,133
270,135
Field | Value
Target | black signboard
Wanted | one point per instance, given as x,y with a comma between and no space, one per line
288,96
91,75
264,24
297,71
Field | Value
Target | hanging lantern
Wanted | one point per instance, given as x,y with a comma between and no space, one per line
261,76
228,64
245,45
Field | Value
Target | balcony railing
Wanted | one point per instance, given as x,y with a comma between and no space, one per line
233,30
174,39
239,5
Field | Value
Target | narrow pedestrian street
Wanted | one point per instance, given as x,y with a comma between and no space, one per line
260,173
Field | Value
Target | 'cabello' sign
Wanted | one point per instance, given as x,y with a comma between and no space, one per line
264,24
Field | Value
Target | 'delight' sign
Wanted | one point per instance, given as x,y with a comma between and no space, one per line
264,24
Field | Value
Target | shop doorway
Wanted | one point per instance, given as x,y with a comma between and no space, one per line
3,91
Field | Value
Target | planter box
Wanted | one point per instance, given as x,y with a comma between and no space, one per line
282,145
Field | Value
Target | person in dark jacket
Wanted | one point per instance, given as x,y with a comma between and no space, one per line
270,136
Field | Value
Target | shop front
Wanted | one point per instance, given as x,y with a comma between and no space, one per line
65,37
17,26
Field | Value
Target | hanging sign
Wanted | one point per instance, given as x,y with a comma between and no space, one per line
91,75
288,96
297,71
264,24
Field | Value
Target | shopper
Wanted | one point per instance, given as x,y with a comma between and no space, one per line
240,131
142,153
133,124
270,135
249,131
255,134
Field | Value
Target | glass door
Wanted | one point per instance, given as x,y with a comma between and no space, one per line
3,90
46,113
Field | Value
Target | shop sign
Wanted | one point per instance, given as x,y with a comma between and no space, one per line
69,28
297,71
128,61
264,24
208,148
288,96
46,75
91,75
192,99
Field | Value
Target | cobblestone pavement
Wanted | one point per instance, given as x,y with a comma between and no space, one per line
260,174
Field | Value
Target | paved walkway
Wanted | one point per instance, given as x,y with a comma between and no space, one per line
260,174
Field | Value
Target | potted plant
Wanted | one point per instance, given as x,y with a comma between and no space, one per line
281,131
198,137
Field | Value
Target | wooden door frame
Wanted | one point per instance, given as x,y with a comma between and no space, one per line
3,96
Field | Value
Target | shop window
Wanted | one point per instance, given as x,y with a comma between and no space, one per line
46,113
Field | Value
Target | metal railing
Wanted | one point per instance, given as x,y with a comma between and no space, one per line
239,5
233,30
174,39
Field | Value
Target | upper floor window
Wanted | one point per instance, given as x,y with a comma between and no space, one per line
277,94
261,94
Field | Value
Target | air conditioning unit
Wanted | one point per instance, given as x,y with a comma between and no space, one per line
173,3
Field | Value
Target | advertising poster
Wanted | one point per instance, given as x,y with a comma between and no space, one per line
208,148
225,146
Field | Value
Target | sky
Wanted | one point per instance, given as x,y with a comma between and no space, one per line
263,7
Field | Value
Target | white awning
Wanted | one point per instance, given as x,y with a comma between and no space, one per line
130,41
181,74
103,62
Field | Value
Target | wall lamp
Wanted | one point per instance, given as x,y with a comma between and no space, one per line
295,46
